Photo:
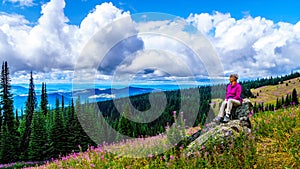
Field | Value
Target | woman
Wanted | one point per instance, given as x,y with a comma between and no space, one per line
233,97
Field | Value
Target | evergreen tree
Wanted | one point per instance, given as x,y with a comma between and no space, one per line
295,97
65,133
17,119
6,98
9,150
38,138
56,132
63,106
287,100
44,100
70,128
255,108
31,105
81,136
124,127
278,104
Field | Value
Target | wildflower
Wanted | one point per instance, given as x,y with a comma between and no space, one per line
292,115
64,159
150,156
171,157
203,147
92,165
251,113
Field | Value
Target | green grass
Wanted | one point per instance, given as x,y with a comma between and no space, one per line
278,138
274,143
269,94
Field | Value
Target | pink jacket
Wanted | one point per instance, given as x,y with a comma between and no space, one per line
234,92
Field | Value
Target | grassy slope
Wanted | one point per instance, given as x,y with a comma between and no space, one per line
269,94
278,138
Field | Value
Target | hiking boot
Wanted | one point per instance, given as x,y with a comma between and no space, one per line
226,119
217,119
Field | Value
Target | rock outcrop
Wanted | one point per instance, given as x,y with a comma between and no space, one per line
238,124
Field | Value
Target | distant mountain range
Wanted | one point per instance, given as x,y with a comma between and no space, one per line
91,95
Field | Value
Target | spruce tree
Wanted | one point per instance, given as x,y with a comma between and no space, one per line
124,127
295,97
56,132
70,128
6,98
31,105
9,150
278,104
65,133
81,136
44,100
287,100
38,138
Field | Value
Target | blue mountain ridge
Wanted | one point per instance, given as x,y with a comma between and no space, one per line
91,95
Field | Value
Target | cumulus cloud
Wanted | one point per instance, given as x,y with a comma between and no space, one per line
52,43
251,46
112,44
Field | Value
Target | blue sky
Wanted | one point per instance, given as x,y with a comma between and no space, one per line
76,10
254,38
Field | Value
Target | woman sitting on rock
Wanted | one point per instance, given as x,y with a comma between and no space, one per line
233,97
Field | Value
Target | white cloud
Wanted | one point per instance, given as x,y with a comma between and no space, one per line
108,96
162,50
53,76
21,2
52,43
251,46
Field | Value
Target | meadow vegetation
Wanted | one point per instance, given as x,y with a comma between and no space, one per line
274,143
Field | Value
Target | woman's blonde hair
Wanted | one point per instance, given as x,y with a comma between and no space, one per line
236,76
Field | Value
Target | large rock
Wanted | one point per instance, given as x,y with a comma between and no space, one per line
242,112
238,124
